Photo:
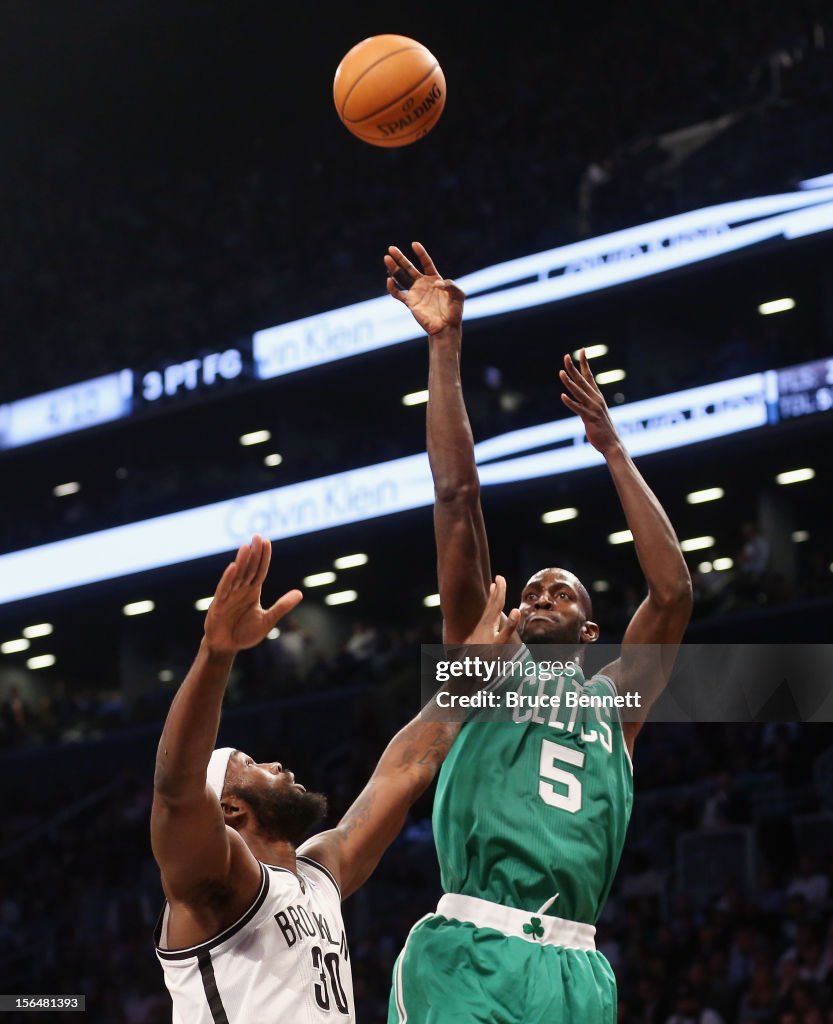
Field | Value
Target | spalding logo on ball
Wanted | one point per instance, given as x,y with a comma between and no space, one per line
389,90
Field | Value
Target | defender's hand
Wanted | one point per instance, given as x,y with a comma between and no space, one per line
436,302
489,629
586,401
235,619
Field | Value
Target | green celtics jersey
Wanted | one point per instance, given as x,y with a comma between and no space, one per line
538,802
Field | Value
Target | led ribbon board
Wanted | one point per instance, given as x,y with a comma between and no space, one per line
576,269
545,277
653,425
66,410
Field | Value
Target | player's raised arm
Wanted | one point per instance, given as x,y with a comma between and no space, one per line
664,614
463,567
190,840
407,767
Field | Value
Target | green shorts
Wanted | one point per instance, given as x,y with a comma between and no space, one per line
454,972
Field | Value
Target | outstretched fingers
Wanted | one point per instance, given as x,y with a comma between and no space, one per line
283,606
574,374
586,372
426,261
402,262
253,561
263,564
494,603
241,563
226,584
394,290
572,404
500,631
506,632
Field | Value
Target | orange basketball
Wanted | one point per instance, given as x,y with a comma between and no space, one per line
389,90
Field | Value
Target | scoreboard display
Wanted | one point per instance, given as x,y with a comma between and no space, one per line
806,389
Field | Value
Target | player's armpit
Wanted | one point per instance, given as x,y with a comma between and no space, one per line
355,846
196,851
649,650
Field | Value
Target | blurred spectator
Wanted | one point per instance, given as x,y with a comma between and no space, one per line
726,806
809,882
689,1008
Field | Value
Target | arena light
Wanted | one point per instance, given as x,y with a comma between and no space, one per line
350,561
203,604
707,494
600,586
795,476
319,579
705,567
433,600
138,608
64,490
610,376
415,398
800,536
697,543
591,351
776,306
273,460
255,437
41,629
341,597
165,675
620,537
559,515
15,646
722,564
273,634
41,661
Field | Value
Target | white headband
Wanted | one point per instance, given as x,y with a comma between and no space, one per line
217,767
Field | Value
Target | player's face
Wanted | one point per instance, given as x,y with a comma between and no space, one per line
551,609
244,770
282,807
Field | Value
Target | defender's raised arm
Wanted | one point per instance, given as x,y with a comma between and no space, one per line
405,770
189,838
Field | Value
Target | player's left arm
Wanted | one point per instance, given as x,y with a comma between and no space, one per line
409,764
663,616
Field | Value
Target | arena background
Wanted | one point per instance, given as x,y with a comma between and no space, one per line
175,179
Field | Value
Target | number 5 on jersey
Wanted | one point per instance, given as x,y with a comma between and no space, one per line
567,796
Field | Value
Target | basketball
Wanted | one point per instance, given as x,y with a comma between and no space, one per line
389,90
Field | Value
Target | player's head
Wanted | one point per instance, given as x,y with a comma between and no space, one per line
556,609
263,798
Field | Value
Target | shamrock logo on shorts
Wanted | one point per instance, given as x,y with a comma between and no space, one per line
534,928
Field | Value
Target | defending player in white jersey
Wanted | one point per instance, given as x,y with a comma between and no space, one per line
252,931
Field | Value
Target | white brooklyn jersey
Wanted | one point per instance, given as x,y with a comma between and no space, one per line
285,961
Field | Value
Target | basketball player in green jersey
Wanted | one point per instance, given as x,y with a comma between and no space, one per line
530,814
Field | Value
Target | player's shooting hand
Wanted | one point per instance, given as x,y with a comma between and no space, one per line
235,619
435,302
489,629
583,397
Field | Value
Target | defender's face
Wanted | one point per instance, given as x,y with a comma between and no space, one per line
274,804
551,610
268,776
